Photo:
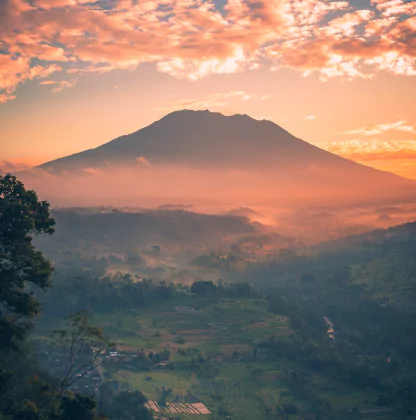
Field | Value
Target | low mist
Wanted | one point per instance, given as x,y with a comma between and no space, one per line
152,186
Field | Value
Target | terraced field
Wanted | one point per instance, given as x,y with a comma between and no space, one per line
214,361
225,332
219,328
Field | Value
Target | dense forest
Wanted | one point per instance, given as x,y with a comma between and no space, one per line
366,286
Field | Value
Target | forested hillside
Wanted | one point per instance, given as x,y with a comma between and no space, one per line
120,232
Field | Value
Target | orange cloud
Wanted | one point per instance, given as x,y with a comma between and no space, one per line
142,160
60,85
214,100
395,7
397,156
381,128
372,147
92,171
192,38
15,70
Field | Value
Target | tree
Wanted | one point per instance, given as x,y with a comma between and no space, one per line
405,393
106,395
130,406
290,408
22,268
134,258
77,408
83,345
28,411
203,288
322,406
23,395
164,395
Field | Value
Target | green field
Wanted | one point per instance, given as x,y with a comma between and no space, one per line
231,381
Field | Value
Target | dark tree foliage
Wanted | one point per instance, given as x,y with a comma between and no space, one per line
130,406
77,408
203,288
21,266
26,392
22,269
28,411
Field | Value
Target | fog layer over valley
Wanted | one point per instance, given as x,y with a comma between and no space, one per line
180,242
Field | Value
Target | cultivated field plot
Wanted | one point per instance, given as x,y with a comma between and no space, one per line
223,331
219,327
197,408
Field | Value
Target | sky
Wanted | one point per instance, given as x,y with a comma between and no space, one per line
75,74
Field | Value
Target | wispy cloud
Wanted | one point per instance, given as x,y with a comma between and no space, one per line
267,118
211,101
372,150
143,161
59,86
382,128
5,97
15,70
398,156
310,117
92,171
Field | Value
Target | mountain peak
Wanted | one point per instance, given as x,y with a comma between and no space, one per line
205,113
256,158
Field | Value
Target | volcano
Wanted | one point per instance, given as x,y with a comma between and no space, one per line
201,154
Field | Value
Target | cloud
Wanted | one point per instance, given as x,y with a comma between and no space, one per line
51,4
195,70
211,101
373,150
345,26
142,160
395,7
92,171
398,156
16,165
381,128
267,118
193,39
59,86
5,97
16,70
310,117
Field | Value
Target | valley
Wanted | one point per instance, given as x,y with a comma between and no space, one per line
263,335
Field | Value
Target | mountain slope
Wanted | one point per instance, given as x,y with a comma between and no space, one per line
195,138
202,153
